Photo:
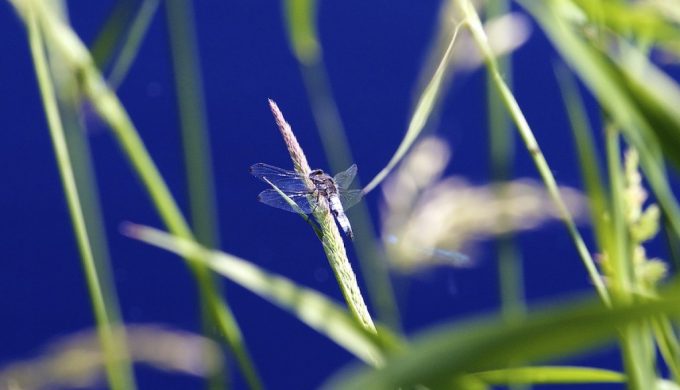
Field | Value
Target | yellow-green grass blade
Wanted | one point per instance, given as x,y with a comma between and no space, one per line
449,352
586,152
112,32
549,375
631,106
479,36
641,20
110,109
426,103
118,369
311,307
132,42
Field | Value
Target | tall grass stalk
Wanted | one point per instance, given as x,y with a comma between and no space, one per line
198,157
331,240
477,31
501,153
118,368
111,110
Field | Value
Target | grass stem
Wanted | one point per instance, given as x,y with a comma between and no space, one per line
118,369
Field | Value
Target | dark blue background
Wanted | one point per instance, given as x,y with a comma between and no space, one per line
374,51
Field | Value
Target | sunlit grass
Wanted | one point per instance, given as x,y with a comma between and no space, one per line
610,47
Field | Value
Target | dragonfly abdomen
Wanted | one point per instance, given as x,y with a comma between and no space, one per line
339,213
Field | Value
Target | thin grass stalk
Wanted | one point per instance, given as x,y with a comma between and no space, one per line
421,114
502,153
303,38
118,368
133,41
194,122
633,338
81,161
585,148
513,305
198,158
332,134
331,240
478,35
111,110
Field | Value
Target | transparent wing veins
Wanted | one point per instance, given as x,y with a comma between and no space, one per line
345,178
349,198
274,199
290,182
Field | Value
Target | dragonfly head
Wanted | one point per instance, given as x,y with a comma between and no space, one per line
316,173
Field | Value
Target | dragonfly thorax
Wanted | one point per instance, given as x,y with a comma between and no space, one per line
323,183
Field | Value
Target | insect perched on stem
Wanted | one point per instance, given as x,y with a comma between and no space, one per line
334,189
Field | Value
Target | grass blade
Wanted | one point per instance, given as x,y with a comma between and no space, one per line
477,30
132,42
311,307
550,374
439,356
423,109
118,369
107,105
331,240
585,147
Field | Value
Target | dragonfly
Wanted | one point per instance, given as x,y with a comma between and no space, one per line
335,189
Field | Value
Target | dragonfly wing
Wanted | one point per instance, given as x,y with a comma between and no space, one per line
349,198
272,198
345,178
287,181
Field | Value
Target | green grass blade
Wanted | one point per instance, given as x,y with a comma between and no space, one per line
640,119
634,337
112,112
118,369
309,306
441,355
111,34
501,144
642,21
424,107
550,375
132,42
198,162
300,18
669,347
585,147
477,30
195,136
331,239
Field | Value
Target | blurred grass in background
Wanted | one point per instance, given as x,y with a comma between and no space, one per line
615,49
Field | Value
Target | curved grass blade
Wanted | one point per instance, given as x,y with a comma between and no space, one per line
642,20
64,40
549,374
118,368
645,110
311,307
585,147
479,36
450,352
132,42
423,109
